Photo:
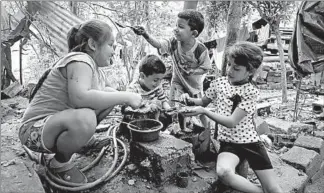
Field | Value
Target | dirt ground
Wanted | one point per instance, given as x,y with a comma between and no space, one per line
128,180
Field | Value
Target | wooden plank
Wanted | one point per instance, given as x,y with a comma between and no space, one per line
13,89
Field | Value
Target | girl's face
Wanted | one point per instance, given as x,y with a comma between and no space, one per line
182,31
237,73
152,81
104,52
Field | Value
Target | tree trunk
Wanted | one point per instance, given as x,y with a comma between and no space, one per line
233,25
20,62
275,27
147,16
6,71
74,7
190,5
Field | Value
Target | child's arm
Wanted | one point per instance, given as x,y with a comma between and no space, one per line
204,101
139,30
197,71
166,105
81,95
228,121
204,64
110,89
246,106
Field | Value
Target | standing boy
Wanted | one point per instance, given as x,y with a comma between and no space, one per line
190,57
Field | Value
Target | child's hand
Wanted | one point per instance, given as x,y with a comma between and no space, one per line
170,111
154,107
190,72
186,99
192,111
139,30
135,100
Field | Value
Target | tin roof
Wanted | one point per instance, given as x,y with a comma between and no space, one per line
58,21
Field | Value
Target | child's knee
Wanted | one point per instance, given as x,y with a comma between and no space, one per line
224,173
273,188
85,121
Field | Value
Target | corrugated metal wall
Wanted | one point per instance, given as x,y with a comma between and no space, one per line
58,21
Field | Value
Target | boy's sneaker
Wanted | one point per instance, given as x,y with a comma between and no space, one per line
96,143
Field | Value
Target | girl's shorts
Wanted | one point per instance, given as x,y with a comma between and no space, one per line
31,135
254,153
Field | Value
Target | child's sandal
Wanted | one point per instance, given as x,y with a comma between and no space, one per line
68,173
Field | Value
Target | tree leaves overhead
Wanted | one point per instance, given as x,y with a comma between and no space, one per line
275,11
217,11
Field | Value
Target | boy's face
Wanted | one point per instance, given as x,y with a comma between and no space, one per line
182,31
152,81
236,73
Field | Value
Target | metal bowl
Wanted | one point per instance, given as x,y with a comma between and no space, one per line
145,130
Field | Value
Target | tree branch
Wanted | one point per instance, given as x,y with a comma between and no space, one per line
258,6
106,8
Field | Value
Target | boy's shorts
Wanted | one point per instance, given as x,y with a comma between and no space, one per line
31,135
254,153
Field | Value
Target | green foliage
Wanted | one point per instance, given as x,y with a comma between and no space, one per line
275,12
216,12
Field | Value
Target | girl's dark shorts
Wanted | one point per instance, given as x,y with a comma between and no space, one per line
254,153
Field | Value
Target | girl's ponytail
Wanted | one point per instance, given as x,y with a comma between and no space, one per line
72,37
39,84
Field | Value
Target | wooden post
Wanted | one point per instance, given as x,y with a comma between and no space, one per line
20,61
275,27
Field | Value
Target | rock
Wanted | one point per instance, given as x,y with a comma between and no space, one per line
287,127
20,177
319,134
146,163
199,186
318,186
12,90
318,174
131,182
209,177
131,167
261,126
287,176
159,160
307,160
263,108
320,126
312,143
283,139
283,149
274,86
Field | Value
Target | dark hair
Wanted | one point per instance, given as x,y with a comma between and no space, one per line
39,84
152,64
246,54
77,39
78,35
195,19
